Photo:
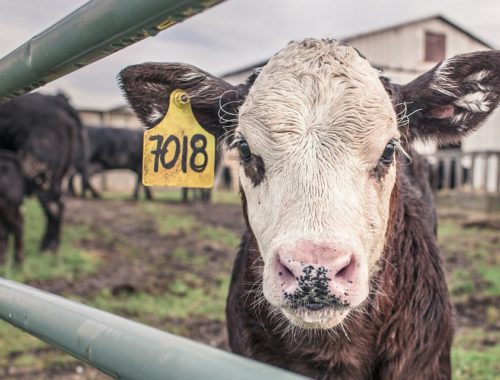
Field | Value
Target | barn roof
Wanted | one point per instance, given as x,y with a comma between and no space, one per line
417,21
378,31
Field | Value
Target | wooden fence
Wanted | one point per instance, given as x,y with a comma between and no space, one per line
465,171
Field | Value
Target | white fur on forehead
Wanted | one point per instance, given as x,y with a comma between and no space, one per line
318,86
315,54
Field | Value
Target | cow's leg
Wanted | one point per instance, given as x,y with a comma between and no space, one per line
71,185
149,194
86,185
53,208
184,195
206,195
137,187
147,190
17,229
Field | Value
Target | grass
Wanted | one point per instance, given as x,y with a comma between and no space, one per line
491,275
471,359
184,300
472,257
181,255
70,262
473,273
14,341
226,197
168,221
174,195
170,195
220,235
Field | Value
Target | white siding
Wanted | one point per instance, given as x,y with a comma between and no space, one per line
400,53
110,119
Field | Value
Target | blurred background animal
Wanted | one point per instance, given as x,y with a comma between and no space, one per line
11,197
43,131
110,148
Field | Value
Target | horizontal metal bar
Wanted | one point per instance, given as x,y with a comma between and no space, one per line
119,347
95,30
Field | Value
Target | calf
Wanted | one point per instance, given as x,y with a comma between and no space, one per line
339,274
114,148
43,131
11,197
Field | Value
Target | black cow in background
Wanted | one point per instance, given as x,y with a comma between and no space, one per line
11,197
113,148
80,163
42,130
203,195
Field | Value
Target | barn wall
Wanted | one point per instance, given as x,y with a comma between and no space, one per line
400,52
120,119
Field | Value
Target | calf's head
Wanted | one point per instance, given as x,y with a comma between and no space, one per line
319,134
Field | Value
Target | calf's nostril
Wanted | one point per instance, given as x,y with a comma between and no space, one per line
342,272
345,272
285,273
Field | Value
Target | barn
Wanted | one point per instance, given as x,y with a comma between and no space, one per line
403,52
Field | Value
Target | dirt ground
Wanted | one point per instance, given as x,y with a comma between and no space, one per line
470,245
136,257
129,226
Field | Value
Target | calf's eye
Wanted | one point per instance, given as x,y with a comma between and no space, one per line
245,153
388,154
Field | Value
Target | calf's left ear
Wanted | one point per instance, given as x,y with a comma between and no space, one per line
148,87
453,98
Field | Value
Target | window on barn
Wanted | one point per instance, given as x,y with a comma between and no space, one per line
435,47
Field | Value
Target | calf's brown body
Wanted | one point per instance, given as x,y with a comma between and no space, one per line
406,332
342,191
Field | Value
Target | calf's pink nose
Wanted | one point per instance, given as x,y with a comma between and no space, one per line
308,266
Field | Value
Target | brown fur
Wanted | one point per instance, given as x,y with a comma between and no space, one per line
407,331
255,170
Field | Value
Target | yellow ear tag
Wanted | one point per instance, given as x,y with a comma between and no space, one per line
178,151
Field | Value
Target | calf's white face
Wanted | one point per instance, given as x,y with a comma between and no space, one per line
316,134
316,122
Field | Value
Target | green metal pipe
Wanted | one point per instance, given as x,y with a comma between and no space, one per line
95,30
119,347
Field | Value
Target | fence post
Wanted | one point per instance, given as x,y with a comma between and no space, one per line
485,171
446,172
458,171
472,168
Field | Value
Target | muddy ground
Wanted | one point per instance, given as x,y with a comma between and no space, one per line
136,258
135,254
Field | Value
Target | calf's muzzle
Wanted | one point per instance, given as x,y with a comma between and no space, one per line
316,275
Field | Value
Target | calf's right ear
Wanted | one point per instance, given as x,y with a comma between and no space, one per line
454,98
148,86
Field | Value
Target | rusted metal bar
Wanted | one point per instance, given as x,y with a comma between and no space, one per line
119,347
95,30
